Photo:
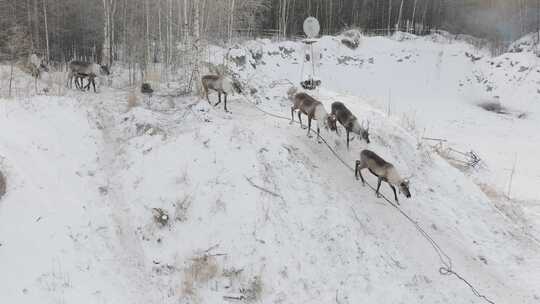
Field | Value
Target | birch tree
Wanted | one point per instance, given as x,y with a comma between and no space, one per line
196,75
109,9
46,29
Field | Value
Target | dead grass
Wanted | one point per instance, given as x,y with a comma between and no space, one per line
200,270
2,184
491,192
132,100
182,209
253,291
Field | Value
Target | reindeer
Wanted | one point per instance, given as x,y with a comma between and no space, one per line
347,119
80,70
314,109
37,66
384,171
222,85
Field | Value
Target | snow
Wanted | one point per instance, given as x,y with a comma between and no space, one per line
256,210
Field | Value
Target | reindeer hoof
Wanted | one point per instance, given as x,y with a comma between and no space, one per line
378,195
304,127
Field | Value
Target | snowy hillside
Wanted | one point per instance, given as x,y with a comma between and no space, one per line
434,87
174,201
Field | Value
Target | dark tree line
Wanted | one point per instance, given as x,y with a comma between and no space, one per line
155,30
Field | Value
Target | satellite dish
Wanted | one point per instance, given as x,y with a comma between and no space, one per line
311,27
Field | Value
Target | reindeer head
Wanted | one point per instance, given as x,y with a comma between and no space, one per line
331,121
104,70
237,86
291,92
364,132
404,188
43,67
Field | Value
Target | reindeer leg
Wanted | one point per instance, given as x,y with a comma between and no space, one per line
292,116
93,84
81,85
308,126
206,92
225,96
378,187
300,119
219,99
318,133
358,172
347,139
69,79
395,194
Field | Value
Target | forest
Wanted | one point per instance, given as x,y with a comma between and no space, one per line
152,31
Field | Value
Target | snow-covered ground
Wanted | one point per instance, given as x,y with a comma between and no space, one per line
433,86
255,209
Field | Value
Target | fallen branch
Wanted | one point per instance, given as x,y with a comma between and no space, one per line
261,188
435,139
234,298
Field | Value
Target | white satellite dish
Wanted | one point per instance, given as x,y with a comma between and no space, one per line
311,27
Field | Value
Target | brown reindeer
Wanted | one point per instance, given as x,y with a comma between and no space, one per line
384,171
36,66
347,119
222,85
314,109
79,70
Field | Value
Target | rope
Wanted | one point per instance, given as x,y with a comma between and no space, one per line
446,269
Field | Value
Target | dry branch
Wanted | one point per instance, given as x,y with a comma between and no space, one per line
261,188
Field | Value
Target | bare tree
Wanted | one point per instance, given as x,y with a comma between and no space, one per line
46,29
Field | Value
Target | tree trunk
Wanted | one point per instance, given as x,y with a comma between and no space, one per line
197,48
147,32
46,29
400,15
109,8
160,36
389,16
10,76
28,11
186,24
538,24
413,29
36,26
231,21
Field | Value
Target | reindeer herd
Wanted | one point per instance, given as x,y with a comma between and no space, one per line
303,103
78,71
314,110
